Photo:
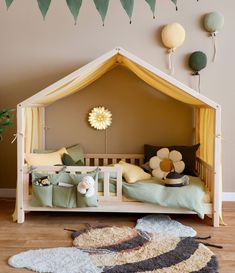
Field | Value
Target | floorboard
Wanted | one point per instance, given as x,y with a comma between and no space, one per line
46,229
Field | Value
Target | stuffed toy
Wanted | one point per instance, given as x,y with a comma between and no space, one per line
166,161
87,186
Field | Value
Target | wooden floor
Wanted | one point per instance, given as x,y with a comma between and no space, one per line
44,230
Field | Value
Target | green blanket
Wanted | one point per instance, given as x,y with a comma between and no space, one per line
153,191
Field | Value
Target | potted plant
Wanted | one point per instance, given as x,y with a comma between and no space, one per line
6,116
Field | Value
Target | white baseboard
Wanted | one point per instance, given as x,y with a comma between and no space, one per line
228,196
8,193
11,193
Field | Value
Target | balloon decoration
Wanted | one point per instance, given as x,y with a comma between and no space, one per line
213,22
197,62
101,6
173,36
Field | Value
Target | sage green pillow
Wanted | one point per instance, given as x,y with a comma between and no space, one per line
75,151
68,161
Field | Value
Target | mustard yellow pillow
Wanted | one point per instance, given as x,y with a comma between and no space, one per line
132,173
49,159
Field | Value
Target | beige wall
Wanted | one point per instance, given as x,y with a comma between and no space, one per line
34,54
140,115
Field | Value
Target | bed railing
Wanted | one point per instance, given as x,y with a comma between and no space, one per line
105,195
206,173
107,159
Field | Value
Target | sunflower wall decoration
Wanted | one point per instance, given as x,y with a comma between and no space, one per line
100,118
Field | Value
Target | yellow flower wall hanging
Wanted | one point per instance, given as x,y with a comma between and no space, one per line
100,118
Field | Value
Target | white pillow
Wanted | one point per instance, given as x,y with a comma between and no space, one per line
132,173
48,159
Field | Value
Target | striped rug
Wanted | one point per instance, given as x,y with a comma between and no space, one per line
127,250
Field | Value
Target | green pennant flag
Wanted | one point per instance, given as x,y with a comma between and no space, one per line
102,7
175,2
152,5
44,6
128,6
8,3
74,6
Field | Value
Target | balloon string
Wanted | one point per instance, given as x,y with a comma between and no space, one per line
199,83
170,61
213,35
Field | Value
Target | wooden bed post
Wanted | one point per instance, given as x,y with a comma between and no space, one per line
217,168
20,164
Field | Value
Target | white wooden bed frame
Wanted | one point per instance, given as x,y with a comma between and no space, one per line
113,203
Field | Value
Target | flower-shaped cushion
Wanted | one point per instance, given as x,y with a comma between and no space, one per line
165,162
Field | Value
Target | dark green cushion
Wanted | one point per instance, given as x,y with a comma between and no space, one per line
68,161
188,154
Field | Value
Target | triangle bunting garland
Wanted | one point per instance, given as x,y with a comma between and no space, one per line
128,6
101,6
152,5
74,7
44,6
8,3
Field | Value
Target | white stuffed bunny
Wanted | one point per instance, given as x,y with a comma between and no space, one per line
87,186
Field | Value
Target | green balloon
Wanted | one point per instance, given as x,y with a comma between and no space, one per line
197,61
213,21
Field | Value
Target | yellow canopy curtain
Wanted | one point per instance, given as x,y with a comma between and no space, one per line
205,116
33,131
205,134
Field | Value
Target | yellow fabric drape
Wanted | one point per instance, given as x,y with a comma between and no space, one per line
79,83
33,129
160,84
95,72
205,134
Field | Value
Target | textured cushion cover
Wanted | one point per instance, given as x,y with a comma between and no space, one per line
188,154
45,159
68,161
132,173
75,151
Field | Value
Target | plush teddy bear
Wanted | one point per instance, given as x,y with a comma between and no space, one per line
87,186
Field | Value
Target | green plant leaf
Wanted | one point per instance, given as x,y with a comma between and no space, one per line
8,3
152,5
128,6
175,2
44,6
102,7
74,6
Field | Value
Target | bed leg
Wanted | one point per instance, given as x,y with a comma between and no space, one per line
20,216
215,219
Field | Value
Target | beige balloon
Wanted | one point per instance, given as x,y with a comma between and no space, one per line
173,35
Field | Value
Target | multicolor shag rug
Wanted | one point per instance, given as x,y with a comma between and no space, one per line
128,250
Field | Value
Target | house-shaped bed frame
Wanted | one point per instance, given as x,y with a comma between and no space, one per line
31,135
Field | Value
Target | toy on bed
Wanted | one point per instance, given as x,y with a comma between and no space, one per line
168,165
87,186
